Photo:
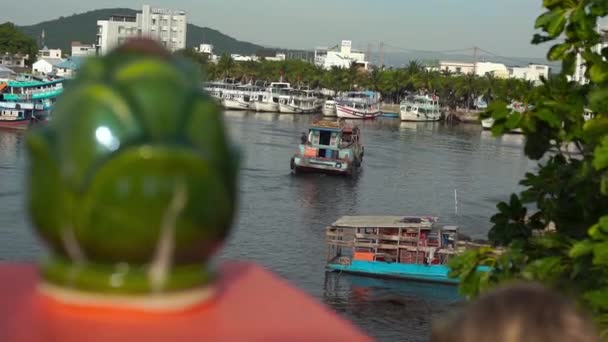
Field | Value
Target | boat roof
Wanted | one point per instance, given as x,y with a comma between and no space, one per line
385,221
339,125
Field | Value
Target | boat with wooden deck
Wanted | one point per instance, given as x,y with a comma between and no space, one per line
27,100
329,147
406,247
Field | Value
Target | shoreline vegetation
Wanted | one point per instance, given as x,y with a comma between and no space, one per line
458,93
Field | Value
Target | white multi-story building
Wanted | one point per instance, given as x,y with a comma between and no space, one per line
204,48
164,25
343,58
457,67
580,68
533,72
82,50
49,53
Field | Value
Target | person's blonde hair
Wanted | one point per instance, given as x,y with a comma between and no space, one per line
520,312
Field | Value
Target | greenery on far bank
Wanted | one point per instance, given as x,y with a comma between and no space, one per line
453,90
12,40
569,190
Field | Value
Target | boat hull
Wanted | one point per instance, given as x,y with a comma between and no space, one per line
301,164
288,109
234,104
264,106
344,112
16,124
409,116
418,272
488,123
329,112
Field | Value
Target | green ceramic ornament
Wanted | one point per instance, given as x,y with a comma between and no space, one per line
133,183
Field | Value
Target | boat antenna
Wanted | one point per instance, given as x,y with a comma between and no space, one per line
455,202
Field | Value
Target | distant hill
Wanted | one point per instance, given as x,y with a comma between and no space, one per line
83,27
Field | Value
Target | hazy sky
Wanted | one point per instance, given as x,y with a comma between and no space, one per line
504,27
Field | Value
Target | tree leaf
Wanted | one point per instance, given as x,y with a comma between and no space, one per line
558,51
549,117
581,248
600,155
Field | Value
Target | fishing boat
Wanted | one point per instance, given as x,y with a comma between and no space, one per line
406,247
359,105
420,108
268,100
488,123
329,108
329,147
301,101
27,100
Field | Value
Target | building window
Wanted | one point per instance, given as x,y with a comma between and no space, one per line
153,21
99,28
121,29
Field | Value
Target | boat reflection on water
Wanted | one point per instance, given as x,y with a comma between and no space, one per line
342,286
508,139
11,143
418,126
237,114
266,116
405,307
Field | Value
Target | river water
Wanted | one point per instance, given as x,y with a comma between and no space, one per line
408,169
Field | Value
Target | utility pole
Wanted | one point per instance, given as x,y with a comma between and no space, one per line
474,60
369,53
382,55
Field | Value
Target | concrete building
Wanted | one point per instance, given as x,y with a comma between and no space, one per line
533,72
46,66
497,69
13,60
69,67
49,53
164,25
342,58
456,67
240,58
82,50
204,48
277,58
580,68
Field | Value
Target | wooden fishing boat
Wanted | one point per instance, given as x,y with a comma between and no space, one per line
411,247
329,147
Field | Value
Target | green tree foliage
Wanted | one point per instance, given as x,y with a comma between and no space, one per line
14,41
556,230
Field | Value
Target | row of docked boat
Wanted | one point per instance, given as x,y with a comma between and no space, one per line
26,99
281,97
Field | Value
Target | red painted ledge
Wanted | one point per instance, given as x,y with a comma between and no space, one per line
252,305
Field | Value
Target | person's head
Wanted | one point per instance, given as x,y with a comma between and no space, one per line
519,312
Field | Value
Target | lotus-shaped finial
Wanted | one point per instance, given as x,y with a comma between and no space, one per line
133,182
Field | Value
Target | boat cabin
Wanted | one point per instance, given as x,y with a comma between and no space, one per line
390,239
326,138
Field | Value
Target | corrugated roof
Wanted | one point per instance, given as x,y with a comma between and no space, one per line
72,63
5,70
52,61
385,221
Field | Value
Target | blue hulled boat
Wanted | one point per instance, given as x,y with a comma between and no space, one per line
414,248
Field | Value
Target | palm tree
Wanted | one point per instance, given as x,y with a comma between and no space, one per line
226,65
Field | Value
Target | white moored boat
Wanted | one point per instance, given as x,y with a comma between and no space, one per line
329,108
299,102
420,108
359,105
268,100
